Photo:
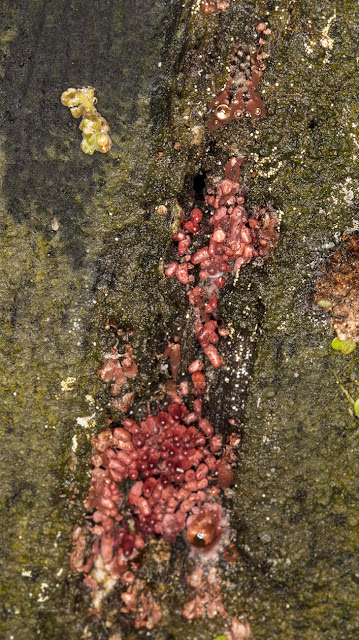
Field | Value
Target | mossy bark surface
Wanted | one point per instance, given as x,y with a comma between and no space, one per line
81,240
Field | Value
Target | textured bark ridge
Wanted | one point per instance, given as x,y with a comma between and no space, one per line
85,238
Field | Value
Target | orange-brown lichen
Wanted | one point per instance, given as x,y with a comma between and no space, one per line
337,289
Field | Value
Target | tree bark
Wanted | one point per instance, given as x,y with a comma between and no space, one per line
82,240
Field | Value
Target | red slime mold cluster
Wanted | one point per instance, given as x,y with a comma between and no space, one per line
237,236
172,457
113,369
119,372
173,463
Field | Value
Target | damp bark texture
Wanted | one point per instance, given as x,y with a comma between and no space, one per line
81,240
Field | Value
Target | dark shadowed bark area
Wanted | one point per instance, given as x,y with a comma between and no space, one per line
81,240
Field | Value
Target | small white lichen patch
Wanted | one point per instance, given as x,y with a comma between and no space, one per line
85,421
348,192
102,574
42,597
67,385
325,40
196,7
74,443
308,47
265,172
197,131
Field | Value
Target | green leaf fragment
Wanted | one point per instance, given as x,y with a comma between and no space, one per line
336,344
325,304
356,407
222,637
345,346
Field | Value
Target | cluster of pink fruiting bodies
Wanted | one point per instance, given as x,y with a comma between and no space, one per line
236,237
214,6
240,96
176,462
172,462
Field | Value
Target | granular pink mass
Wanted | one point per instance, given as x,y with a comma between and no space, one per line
236,238
172,465
175,463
